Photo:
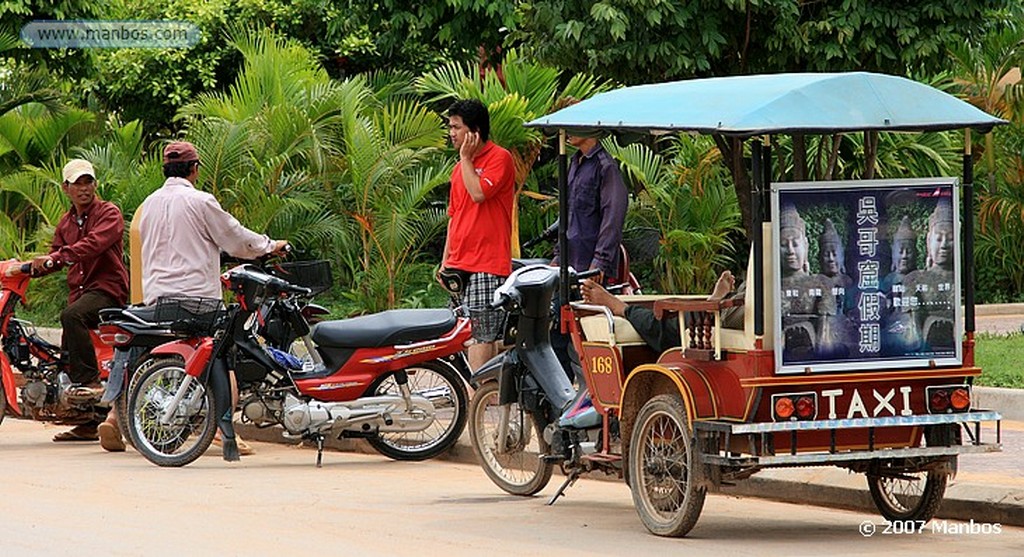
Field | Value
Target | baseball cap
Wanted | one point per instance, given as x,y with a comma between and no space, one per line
180,151
76,168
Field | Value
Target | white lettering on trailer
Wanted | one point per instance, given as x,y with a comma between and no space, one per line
905,391
883,402
856,405
831,395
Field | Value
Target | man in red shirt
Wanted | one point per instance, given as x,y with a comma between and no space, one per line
88,242
479,238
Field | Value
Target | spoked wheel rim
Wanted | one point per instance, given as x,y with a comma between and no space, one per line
908,495
662,469
445,392
520,468
189,423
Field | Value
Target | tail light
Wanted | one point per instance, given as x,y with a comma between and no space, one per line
948,399
114,335
794,406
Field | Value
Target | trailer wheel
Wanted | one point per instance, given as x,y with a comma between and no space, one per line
664,468
908,495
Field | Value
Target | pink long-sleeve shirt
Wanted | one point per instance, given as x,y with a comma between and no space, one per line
183,231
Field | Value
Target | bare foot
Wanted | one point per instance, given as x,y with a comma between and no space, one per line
594,293
726,283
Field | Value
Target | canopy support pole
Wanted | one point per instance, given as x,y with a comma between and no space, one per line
968,232
563,221
756,162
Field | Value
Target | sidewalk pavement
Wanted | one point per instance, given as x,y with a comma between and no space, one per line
988,487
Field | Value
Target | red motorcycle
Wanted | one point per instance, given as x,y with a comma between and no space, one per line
397,378
47,394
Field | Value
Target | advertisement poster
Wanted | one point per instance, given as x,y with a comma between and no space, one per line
867,274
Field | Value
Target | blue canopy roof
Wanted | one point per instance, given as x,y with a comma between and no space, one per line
814,103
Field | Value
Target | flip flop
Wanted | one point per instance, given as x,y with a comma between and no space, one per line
77,433
110,437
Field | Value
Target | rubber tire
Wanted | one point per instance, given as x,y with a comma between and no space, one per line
121,402
446,441
541,476
142,445
681,520
3,403
927,505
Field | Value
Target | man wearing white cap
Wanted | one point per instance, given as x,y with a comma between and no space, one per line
88,242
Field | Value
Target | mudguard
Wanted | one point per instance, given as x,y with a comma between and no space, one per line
10,390
195,353
491,369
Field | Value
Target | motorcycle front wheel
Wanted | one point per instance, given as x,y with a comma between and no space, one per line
174,438
518,466
443,387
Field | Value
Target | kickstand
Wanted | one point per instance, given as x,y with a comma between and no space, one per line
569,480
319,449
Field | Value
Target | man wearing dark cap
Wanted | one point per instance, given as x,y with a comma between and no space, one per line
183,230
88,242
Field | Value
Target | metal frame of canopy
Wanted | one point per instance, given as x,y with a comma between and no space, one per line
765,105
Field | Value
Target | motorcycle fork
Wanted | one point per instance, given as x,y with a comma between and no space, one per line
508,393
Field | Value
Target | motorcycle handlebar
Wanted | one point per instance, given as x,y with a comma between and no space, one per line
588,274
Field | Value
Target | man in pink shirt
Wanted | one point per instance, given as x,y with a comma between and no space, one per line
183,231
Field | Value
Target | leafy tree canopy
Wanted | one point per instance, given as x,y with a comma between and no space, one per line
640,41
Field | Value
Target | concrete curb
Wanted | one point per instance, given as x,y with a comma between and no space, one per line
998,309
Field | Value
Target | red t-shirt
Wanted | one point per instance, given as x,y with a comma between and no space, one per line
480,234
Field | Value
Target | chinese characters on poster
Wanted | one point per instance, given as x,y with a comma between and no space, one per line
868,273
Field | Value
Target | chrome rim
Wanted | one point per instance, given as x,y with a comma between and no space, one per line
185,429
903,493
521,460
440,392
664,468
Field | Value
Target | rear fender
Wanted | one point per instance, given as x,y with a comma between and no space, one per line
196,354
10,390
646,382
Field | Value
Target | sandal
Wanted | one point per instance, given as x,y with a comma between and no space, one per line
110,437
77,433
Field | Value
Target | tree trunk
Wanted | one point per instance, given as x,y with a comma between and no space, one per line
732,154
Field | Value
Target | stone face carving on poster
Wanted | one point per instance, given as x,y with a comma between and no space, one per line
868,274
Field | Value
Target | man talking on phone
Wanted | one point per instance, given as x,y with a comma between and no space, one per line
479,241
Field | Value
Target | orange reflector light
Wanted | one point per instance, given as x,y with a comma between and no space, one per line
960,399
784,407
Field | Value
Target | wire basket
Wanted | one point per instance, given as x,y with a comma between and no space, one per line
190,314
314,275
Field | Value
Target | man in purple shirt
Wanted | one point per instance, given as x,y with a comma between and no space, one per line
597,209
88,242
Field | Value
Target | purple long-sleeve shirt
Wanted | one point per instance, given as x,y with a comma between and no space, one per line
597,211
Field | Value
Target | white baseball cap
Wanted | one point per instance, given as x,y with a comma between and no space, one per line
76,168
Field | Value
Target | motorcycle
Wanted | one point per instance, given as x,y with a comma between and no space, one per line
134,331
396,379
47,394
525,415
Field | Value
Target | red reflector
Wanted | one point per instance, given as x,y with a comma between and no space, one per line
805,407
960,399
784,407
940,400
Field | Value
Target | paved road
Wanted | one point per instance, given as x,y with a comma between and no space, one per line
75,499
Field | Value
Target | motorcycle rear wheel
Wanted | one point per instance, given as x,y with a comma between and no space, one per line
192,425
521,469
443,386
121,402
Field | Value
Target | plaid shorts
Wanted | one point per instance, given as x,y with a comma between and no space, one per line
487,323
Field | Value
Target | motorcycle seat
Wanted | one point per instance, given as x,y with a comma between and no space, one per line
145,313
397,326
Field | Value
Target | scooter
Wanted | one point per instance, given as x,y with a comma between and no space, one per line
526,415
47,394
396,378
